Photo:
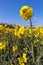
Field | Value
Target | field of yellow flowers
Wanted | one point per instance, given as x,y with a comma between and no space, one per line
21,45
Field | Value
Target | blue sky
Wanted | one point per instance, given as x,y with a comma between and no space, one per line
9,11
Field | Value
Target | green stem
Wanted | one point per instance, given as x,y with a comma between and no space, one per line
33,53
30,23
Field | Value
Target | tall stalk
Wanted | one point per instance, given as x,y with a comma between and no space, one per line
30,23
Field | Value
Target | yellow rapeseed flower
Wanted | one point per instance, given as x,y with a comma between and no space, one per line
26,12
21,29
22,64
25,60
3,45
41,30
25,49
42,42
5,25
24,55
15,48
1,26
35,45
21,60
11,64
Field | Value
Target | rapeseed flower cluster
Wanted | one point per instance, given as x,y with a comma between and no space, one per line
3,45
22,60
15,48
26,12
20,45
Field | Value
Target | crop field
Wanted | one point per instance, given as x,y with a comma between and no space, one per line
20,45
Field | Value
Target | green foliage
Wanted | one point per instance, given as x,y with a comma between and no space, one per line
25,45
